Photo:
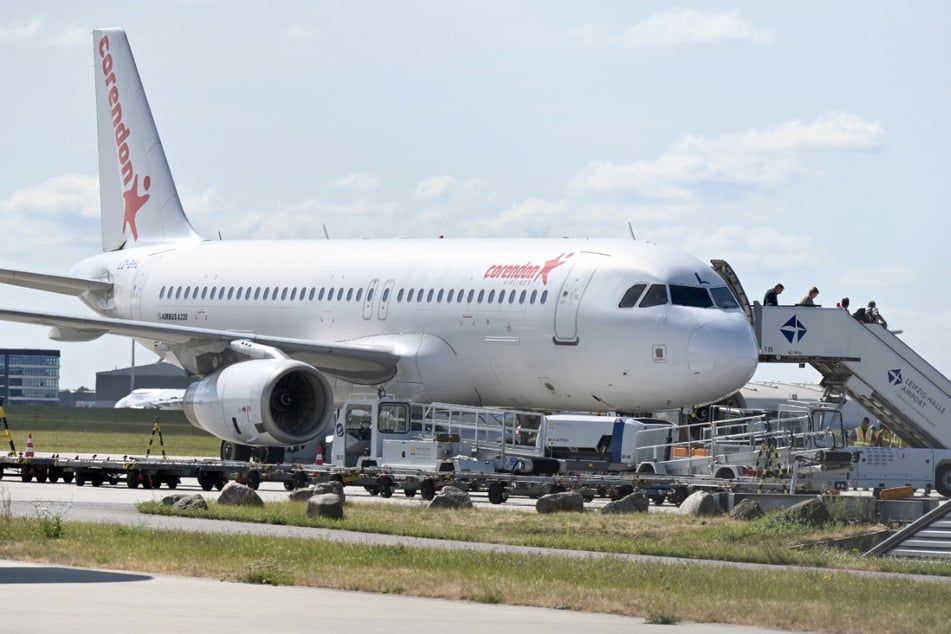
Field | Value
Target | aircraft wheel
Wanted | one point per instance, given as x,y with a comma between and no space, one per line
235,451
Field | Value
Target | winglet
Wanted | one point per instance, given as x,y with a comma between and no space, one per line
139,202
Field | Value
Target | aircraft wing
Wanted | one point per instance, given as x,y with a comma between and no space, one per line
52,283
359,363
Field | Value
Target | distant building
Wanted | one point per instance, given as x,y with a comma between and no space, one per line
29,377
83,397
113,385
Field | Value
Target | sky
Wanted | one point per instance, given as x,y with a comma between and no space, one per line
805,143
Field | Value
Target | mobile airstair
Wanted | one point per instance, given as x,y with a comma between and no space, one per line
865,362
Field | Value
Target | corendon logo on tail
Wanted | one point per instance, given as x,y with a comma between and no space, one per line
130,178
527,271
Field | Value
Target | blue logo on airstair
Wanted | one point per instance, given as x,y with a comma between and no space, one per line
793,330
894,377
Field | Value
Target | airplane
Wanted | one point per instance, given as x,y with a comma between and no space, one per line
276,333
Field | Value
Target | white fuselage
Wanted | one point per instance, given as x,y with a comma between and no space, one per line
526,323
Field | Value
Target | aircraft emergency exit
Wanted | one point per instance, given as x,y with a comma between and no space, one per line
276,332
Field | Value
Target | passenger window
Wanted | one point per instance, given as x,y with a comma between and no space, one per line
330,294
161,294
399,296
293,293
257,293
267,293
214,291
429,297
439,296
501,297
313,291
339,294
386,294
284,293
491,296
320,294
449,297
656,295
690,296
230,292
531,300
471,295
409,296
512,296
349,294
369,295
521,298
459,297
631,296
544,297
188,290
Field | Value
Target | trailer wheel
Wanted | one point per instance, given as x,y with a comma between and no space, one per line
497,493
220,483
678,495
372,490
622,492
427,489
386,487
410,493
205,480
132,479
96,479
942,480
289,485
80,479
173,482
41,475
26,474
54,474
67,477
253,479
658,500
1,473
155,480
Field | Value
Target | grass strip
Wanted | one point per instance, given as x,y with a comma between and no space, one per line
787,599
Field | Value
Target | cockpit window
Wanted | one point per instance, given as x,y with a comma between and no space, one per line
656,295
631,296
690,296
723,297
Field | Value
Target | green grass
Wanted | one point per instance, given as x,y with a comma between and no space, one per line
71,430
769,540
790,598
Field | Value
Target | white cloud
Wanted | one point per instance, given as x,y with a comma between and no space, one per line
358,181
298,32
20,32
58,196
677,27
72,36
755,158
434,187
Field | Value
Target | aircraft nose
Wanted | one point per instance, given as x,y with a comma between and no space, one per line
722,356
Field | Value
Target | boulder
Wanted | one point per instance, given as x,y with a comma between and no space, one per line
235,494
451,498
331,486
170,500
747,510
325,505
700,504
191,503
811,513
300,495
636,502
567,502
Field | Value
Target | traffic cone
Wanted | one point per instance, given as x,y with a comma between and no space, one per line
320,454
29,445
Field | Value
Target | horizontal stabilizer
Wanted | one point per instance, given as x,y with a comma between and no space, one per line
53,283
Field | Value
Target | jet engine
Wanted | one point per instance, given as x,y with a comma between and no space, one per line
263,402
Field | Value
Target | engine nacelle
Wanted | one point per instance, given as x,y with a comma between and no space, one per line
263,402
